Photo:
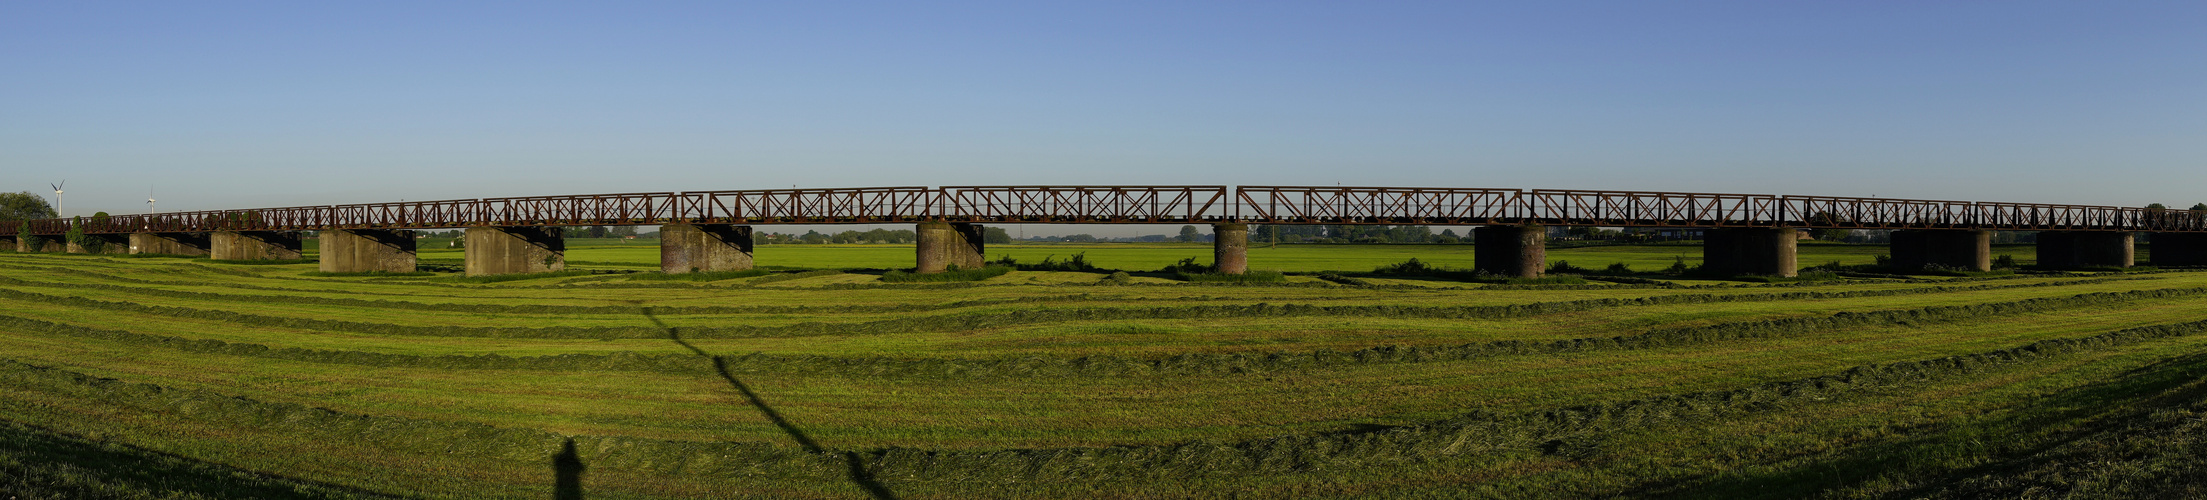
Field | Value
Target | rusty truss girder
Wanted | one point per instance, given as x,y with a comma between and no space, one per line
1160,205
1083,204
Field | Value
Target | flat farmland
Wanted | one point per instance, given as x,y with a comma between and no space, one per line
1294,258
176,378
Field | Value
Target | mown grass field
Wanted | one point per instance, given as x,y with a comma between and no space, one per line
640,254
180,378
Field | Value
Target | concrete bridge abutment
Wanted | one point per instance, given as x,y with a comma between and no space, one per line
367,250
194,244
2081,249
2180,249
41,244
515,250
1230,248
1510,251
102,244
694,248
254,245
1958,249
1761,251
943,245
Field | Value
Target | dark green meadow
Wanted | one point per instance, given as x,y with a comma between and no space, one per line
819,378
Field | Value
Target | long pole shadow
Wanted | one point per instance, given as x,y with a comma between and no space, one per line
857,467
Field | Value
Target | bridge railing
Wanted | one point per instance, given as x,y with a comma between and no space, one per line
1878,213
1651,209
1165,205
1376,205
808,206
1084,204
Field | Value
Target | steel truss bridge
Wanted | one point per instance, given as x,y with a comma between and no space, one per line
1161,205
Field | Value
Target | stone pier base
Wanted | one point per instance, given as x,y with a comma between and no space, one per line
1230,248
1510,251
1761,251
254,245
704,248
516,249
944,245
2081,249
169,243
366,250
1957,249
2180,249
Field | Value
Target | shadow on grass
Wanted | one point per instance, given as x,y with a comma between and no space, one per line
857,466
567,472
39,463
2073,414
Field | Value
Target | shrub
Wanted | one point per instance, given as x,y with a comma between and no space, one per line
2004,261
365,273
953,274
1117,278
1078,263
1187,265
1678,267
1565,267
1248,277
514,277
1409,267
700,276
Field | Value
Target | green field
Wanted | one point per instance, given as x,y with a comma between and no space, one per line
181,378
644,255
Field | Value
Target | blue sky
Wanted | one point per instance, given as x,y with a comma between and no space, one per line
233,105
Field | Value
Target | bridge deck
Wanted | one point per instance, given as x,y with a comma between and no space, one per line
1162,205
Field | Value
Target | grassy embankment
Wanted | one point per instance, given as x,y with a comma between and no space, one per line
1049,384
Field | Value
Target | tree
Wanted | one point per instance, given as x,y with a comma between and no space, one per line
2202,206
2156,206
994,235
814,237
25,206
1829,234
1188,234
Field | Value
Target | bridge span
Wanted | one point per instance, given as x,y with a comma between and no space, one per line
711,230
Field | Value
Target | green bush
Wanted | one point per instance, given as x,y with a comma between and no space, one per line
496,278
1078,263
953,274
700,276
365,274
1408,267
1247,277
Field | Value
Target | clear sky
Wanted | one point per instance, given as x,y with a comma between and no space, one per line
236,105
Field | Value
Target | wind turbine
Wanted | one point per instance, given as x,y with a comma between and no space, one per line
149,201
57,196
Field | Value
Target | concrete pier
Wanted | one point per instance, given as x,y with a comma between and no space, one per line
48,244
704,248
1230,248
169,243
254,245
1957,249
1762,251
515,249
2080,249
943,245
102,244
1510,251
2180,249
8,243
365,250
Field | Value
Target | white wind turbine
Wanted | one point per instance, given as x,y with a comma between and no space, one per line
57,196
149,201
